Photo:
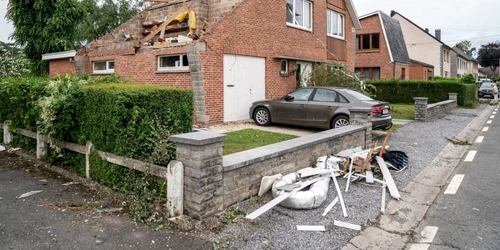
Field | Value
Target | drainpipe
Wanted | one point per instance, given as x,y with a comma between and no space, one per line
394,69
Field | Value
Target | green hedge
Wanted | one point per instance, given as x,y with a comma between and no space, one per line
396,91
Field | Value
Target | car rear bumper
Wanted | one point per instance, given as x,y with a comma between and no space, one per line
381,123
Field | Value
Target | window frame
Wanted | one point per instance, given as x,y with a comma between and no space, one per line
106,71
302,27
284,72
321,89
361,69
172,69
340,25
370,35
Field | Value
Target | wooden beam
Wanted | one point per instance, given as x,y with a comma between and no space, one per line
382,150
393,190
164,24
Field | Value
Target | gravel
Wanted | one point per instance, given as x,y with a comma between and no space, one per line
276,229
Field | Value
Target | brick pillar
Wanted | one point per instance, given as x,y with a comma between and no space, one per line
201,154
363,117
421,108
192,51
452,96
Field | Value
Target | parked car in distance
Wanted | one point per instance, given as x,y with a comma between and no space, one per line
319,107
485,89
480,81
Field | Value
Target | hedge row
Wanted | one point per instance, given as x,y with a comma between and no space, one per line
396,91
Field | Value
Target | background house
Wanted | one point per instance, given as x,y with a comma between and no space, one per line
462,64
424,47
421,71
247,50
380,48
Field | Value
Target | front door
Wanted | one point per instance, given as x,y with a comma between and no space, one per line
304,70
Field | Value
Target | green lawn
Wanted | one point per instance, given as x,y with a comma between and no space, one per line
245,139
403,111
395,127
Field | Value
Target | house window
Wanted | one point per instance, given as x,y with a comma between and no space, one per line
103,67
169,63
299,13
369,73
335,24
284,67
368,42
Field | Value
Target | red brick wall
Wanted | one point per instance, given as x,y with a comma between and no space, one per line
419,72
258,28
61,67
375,58
399,71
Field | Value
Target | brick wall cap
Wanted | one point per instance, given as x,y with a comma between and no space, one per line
452,93
361,110
199,138
420,98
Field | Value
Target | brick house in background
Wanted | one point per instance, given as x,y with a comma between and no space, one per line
380,48
421,71
251,50
61,63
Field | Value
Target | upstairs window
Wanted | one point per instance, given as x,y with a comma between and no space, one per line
173,63
103,67
368,42
335,24
299,14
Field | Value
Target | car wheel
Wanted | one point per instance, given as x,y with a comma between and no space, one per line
262,117
340,121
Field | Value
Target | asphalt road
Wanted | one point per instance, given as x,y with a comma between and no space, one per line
466,214
69,216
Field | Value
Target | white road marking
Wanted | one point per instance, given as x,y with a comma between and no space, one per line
428,234
479,139
494,113
489,122
492,116
470,156
454,184
485,129
420,246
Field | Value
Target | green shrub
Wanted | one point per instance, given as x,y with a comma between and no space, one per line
468,79
396,91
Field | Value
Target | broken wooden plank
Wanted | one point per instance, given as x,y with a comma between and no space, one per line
279,199
339,193
330,206
349,174
346,225
164,24
382,202
367,165
393,190
382,150
311,228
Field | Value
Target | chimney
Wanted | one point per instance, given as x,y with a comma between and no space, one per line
427,30
393,13
438,34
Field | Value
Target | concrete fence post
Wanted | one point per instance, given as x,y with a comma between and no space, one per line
7,135
362,116
42,147
452,96
175,189
421,108
88,149
201,154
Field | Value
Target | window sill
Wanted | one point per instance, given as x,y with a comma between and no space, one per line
103,73
298,27
368,51
166,71
337,37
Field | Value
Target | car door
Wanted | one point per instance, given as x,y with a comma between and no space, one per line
292,110
321,108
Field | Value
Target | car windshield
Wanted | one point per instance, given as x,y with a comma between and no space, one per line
358,95
486,85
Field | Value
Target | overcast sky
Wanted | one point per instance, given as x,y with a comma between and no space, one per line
477,21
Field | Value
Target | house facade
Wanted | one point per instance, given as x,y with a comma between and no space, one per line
421,71
463,64
380,48
424,47
247,50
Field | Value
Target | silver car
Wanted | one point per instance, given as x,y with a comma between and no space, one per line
319,107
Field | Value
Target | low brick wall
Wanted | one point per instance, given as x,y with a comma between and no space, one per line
428,112
243,171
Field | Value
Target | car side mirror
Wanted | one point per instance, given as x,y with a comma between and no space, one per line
289,98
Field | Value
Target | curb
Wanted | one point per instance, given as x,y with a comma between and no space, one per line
395,231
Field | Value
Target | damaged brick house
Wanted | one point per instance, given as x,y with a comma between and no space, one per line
247,49
381,49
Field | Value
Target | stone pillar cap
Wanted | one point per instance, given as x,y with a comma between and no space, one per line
420,98
199,138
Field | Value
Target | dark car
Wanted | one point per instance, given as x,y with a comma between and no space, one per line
485,90
319,107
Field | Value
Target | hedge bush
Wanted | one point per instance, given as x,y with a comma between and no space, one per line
396,91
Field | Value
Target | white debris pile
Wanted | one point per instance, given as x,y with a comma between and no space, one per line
308,187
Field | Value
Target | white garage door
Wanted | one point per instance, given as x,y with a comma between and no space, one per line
244,83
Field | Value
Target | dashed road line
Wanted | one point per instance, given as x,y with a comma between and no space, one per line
485,129
492,116
494,113
489,122
420,246
427,236
470,156
454,184
479,139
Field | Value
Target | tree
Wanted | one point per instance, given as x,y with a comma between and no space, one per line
489,55
14,50
466,47
102,19
44,26
11,65
337,75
